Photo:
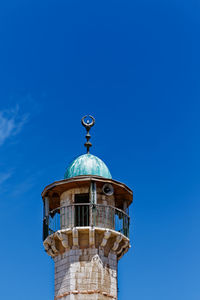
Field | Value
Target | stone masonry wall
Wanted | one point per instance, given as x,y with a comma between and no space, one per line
104,215
85,274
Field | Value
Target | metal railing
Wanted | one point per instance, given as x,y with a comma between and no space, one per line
86,214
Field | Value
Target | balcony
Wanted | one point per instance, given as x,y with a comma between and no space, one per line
79,215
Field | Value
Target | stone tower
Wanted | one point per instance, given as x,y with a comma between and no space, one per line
86,228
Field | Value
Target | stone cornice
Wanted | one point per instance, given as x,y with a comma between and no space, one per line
87,237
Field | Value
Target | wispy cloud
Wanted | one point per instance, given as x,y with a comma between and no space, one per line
11,123
5,176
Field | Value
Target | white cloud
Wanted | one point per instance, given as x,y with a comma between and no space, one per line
11,123
5,176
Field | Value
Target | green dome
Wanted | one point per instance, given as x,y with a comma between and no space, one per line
87,164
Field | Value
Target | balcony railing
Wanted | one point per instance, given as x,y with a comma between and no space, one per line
78,215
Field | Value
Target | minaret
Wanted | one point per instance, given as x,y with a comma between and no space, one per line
86,227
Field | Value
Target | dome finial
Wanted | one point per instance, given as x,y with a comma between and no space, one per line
88,124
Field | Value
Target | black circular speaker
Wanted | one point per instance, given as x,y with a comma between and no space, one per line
108,189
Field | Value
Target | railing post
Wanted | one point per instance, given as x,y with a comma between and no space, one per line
62,217
46,206
93,202
91,215
45,227
72,216
113,220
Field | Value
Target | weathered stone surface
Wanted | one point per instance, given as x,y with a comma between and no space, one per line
79,273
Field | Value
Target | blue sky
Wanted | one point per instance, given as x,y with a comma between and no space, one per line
135,66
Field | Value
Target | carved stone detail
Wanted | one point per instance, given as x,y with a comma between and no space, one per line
75,236
63,238
91,236
107,234
116,244
50,246
123,247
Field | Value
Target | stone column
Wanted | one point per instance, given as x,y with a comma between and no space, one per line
86,261
85,274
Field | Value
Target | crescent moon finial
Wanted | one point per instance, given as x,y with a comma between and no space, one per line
88,122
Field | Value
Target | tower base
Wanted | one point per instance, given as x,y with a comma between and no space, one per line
85,274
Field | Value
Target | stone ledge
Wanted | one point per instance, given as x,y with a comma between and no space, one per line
86,292
79,238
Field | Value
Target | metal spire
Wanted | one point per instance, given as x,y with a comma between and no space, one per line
88,124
